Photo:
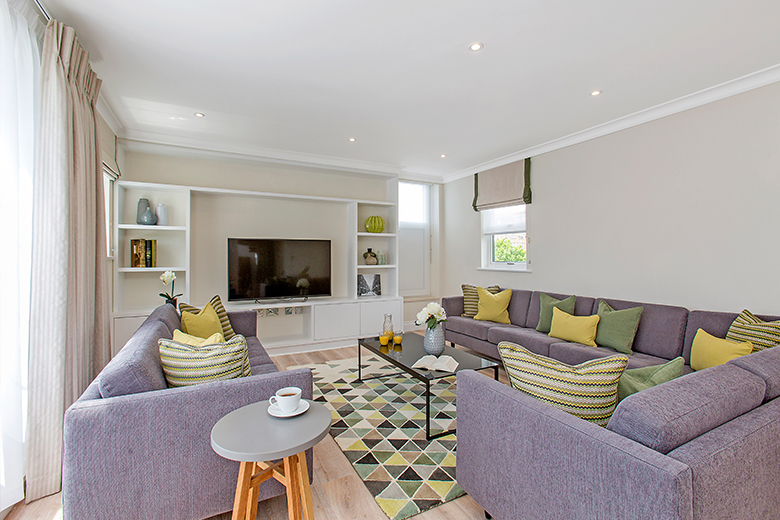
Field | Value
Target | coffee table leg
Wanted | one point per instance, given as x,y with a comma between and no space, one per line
303,480
358,367
427,409
245,471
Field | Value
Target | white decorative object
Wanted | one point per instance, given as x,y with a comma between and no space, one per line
162,215
433,316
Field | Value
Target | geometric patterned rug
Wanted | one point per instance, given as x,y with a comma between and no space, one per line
379,424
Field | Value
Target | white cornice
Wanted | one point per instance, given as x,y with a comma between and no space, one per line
108,115
751,81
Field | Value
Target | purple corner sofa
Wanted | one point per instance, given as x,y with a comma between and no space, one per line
136,449
705,446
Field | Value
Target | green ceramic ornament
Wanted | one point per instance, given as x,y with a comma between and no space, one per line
375,224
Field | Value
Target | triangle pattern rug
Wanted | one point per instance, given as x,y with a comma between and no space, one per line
379,424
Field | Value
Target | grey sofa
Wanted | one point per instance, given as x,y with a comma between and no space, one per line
136,449
703,446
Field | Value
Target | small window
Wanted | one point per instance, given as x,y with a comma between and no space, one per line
109,177
505,238
414,238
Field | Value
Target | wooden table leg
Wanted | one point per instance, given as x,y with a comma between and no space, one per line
245,471
254,494
293,488
303,480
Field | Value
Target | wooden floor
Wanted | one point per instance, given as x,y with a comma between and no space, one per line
337,491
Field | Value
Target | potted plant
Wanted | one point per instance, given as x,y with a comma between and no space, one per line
169,277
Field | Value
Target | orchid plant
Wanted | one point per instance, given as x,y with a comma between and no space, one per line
432,314
169,277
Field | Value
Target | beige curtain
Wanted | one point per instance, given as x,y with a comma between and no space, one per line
69,341
507,185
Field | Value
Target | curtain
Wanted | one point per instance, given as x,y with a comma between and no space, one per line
19,75
69,300
507,185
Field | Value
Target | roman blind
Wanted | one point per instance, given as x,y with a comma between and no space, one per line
507,185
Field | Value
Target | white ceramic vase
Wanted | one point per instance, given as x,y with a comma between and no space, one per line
433,341
162,215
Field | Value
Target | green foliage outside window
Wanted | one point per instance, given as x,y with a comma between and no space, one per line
505,251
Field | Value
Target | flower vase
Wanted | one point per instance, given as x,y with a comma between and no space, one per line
433,341
171,301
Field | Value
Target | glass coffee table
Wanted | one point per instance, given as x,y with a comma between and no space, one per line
411,351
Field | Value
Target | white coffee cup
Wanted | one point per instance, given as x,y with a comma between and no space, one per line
287,399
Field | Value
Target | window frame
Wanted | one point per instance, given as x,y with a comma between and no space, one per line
488,247
426,227
109,199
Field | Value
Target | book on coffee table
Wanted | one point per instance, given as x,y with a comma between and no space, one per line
442,363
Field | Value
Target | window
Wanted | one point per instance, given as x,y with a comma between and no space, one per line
108,202
414,238
505,241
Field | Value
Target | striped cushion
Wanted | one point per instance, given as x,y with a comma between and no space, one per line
587,390
186,365
471,298
216,303
747,327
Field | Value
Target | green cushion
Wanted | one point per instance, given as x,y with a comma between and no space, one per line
546,304
617,328
186,365
635,380
587,390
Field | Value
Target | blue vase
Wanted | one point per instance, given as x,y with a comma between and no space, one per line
148,218
433,341
143,205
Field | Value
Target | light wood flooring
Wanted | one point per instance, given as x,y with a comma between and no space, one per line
337,491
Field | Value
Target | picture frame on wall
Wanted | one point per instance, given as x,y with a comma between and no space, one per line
369,285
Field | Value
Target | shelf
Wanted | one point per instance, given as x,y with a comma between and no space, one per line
151,269
367,234
385,266
154,228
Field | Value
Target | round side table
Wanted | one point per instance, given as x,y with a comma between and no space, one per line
252,436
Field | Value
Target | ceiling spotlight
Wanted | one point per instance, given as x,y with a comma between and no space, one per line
200,114
442,156
351,139
595,93
476,46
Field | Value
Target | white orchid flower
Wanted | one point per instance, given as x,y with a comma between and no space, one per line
167,277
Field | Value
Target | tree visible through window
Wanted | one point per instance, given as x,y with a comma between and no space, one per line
505,241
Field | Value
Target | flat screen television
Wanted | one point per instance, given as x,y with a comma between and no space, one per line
275,268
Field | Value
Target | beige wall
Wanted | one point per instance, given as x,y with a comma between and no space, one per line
683,210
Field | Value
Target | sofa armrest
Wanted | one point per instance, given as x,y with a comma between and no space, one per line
453,305
150,453
243,322
521,458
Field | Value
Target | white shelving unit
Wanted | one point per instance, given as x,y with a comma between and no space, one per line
320,323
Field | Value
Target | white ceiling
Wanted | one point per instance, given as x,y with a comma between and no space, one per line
295,79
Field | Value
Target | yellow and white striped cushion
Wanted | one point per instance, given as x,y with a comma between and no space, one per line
186,365
471,298
587,390
216,304
747,327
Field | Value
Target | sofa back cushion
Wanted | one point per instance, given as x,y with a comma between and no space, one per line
715,323
661,328
583,306
168,315
518,307
136,368
766,365
669,415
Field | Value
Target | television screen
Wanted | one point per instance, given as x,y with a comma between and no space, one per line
263,268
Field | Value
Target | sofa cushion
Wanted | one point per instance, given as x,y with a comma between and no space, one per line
637,379
748,327
186,365
471,298
216,304
579,329
477,345
546,305
195,341
492,307
587,390
136,368
536,342
669,415
168,315
202,324
617,328
766,365
583,306
661,330
518,307
469,326
708,351
573,353
716,323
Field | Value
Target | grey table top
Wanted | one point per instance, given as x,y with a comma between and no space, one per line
250,434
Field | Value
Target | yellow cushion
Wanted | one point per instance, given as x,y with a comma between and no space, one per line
492,307
203,324
183,337
579,329
708,351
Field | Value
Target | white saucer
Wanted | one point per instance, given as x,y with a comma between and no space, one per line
277,412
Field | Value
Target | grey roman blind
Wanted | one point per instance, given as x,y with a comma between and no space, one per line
507,185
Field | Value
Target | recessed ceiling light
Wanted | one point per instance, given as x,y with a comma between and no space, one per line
200,114
476,46
351,139
595,93
442,156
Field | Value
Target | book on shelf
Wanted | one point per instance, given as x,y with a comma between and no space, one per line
442,363
143,253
